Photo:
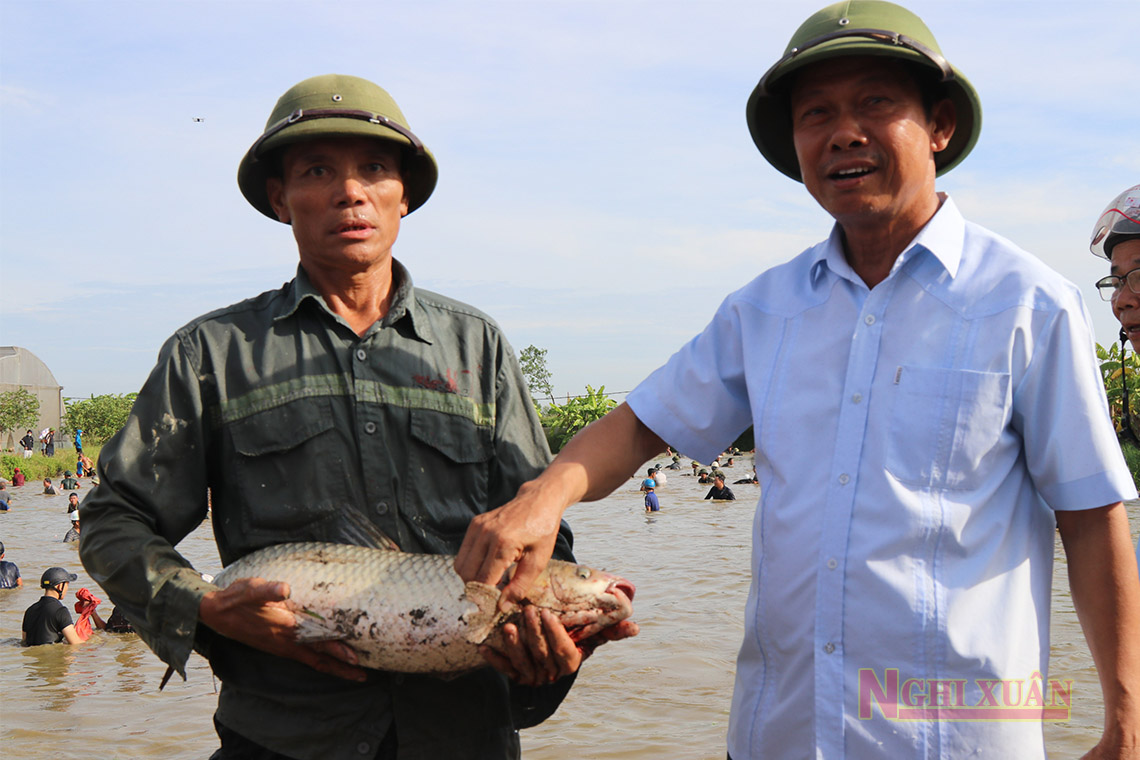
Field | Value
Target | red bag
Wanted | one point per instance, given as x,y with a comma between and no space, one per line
85,606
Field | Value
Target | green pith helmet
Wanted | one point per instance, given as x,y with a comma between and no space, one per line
857,27
335,105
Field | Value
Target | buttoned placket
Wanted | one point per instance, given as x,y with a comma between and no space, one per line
371,435
836,523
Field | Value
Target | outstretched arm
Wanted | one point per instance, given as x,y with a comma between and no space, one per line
1106,594
592,465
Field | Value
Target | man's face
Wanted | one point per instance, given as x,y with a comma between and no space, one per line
1125,303
73,499
864,142
344,199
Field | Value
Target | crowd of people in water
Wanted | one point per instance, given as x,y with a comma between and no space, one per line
714,475
48,620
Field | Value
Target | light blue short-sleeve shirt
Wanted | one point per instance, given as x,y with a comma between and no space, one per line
912,443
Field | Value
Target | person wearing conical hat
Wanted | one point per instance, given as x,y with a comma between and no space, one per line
344,404
928,414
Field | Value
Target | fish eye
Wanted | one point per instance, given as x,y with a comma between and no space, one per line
583,573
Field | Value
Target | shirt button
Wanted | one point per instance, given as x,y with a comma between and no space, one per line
869,319
361,354
382,508
370,427
856,398
829,647
832,564
363,748
843,479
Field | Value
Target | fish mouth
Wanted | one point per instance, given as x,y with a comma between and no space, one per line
624,588
584,623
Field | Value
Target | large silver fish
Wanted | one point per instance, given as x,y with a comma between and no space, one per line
412,613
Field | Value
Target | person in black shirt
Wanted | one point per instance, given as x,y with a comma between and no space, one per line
48,621
9,573
720,490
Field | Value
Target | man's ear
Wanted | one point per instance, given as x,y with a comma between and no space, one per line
275,191
943,121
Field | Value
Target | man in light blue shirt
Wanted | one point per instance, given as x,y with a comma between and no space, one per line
927,411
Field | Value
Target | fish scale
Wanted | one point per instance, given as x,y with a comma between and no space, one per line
412,613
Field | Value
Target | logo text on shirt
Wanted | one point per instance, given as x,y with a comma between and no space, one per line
961,699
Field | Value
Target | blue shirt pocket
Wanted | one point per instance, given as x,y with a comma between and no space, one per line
944,423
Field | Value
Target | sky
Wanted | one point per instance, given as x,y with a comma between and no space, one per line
599,193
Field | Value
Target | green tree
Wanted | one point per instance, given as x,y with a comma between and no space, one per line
563,421
532,360
99,417
19,410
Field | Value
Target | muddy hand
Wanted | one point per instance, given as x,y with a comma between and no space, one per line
258,613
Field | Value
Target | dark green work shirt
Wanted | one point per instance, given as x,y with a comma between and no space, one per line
292,421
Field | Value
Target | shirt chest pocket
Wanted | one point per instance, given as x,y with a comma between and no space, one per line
449,470
288,474
944,424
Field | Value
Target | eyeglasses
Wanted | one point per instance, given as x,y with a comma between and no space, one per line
1110,286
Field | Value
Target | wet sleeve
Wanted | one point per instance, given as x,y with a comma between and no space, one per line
152,493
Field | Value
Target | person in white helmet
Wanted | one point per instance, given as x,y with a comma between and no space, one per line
1116,237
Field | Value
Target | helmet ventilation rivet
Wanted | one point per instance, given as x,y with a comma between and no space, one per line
337,98
844,21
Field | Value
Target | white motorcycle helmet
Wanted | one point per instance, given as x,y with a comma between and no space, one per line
1119,221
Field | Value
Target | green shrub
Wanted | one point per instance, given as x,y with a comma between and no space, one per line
561,422
37,466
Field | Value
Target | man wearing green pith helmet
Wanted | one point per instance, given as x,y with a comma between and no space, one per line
344,402
928,415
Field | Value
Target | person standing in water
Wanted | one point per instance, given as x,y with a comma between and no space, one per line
928,418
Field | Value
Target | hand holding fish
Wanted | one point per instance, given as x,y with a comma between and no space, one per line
543,651
408,613
523,530
594,463
258,613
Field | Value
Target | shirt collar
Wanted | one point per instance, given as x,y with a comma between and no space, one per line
942,236
404,303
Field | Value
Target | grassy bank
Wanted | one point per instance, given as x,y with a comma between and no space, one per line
38,467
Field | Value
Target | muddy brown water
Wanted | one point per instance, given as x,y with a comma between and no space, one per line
664,694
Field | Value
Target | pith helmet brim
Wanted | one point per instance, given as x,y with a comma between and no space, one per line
335,105
857,28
